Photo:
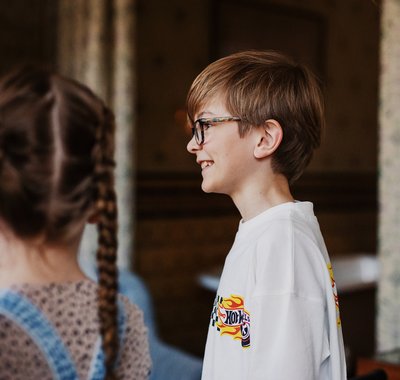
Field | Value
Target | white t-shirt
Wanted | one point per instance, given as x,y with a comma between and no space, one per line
276,313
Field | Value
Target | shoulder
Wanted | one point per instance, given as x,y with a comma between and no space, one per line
133,322
289,256
133,315
134,360
290,227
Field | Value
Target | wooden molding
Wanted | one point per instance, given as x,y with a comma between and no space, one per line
179,195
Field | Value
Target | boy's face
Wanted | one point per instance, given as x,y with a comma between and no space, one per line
226,159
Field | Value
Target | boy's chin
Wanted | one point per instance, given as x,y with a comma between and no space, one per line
210,188
205,188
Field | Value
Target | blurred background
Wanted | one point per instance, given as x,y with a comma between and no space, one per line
142,56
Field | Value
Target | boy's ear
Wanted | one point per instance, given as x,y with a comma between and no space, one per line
269,139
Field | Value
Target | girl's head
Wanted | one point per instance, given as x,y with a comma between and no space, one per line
57,171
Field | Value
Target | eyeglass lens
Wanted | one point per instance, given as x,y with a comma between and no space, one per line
198,132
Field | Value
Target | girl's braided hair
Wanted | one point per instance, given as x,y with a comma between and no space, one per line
57,171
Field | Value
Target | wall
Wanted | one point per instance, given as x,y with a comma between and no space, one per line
175,44
182,232
27,32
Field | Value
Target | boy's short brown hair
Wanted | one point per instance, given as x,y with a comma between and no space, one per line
262,85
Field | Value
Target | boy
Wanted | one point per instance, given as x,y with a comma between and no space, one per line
256,118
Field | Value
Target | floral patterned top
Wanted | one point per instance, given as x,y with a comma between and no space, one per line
55,327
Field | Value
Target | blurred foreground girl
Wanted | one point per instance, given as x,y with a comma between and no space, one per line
57,174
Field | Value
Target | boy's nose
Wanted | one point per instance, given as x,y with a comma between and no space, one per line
192,145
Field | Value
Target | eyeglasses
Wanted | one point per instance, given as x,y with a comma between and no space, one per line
202,124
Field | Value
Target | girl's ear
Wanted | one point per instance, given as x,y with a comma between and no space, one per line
269,138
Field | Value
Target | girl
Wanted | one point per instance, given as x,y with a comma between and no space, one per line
56,174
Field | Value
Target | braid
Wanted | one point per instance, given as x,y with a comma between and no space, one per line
106,207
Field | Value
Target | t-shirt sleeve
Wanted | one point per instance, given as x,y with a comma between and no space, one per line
134,362
289,338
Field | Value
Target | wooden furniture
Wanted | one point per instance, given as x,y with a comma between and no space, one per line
389,361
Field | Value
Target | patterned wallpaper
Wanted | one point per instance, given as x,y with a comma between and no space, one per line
388,326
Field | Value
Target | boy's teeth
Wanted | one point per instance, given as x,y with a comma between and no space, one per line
204,164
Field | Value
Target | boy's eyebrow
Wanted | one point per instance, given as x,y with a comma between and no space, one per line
201,114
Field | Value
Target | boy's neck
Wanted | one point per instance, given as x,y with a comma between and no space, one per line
255,199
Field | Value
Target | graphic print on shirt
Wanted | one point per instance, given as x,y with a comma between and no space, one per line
230,318
335,294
